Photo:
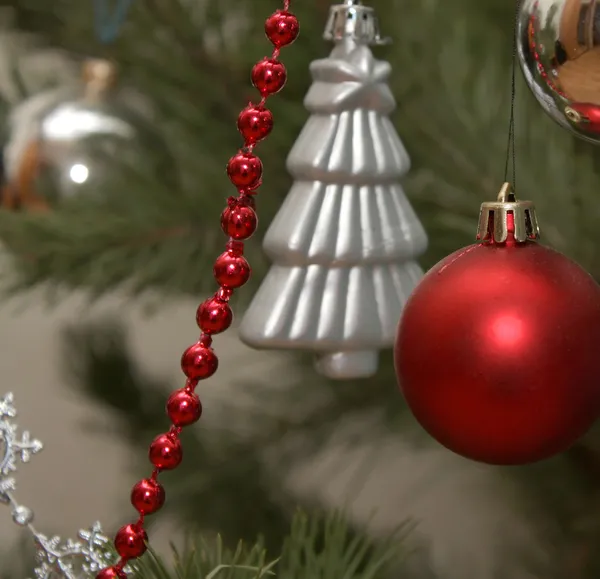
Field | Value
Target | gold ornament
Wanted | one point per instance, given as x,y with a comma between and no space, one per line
559,52
73,140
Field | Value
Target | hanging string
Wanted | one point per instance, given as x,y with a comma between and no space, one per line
109,19
510,147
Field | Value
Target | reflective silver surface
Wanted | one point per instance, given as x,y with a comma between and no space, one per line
559,52
345,242
74,140
351,19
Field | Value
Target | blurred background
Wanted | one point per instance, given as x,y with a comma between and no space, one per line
103,282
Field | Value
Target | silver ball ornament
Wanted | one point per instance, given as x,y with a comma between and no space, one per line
558,47
79,140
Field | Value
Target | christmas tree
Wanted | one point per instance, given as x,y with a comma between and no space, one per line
346,224
451,79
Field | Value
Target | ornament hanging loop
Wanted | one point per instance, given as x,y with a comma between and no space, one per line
494,219
351,19
99,78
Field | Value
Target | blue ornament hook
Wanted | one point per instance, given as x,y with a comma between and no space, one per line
108,22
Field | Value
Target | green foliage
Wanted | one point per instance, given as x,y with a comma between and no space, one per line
202,559
453,115
325,547
317,547
320,546
451,64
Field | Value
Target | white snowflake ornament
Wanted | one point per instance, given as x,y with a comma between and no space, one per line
12,448
56,559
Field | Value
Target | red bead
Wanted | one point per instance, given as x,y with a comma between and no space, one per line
255,123
165,452
214,316
269,76
282,28
239,222
245,170
199,362
587,116
231,271
147,496
184,408
113,572
131,541
497,352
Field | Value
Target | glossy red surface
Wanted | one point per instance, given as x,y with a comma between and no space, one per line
199,362
165,452
147,496
130,541
282,28
184,407
255,123
214,316
269,76
497,352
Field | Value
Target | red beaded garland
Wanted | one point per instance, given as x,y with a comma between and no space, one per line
255,123
147,496
282,28
130,541
184,407
214,316
231,270
269,76
113,572
199,362
245,170
165,452
239,222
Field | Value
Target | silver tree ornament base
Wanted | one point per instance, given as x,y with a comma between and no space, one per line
348,365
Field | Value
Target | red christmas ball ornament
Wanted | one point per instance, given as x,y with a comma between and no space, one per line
245,170
231,270
214,316
282,28
165,452
131,541
147,496
113,572
255,124
184,408
497,348
199,362
269,76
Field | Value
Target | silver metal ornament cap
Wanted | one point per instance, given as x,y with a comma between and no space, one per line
494,218
99,77
352,20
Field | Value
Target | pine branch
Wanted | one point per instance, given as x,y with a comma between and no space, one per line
457,144
317,547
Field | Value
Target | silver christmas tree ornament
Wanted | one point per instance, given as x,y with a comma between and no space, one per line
344,243
56,559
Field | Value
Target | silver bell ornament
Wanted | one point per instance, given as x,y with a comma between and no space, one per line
558,46
77,140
